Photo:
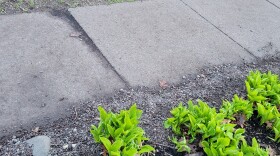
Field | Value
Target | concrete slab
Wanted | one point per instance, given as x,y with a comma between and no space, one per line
254,24
275,2
154,40
43,70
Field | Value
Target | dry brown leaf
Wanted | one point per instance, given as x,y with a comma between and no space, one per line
35,130
192,147
163,84
271,151
104,153
240,120
268,124
225,121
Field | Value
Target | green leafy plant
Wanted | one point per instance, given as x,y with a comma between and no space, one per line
31,4
217,132
218,135
18,4
61,1
225,141
263,87
238,110
181,145
236,107
253,150
2,9
120,134
195,119
192,120
263,90
119,1
180,118
276,129
271,116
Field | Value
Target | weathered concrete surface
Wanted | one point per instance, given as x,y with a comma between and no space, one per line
154,40
275,2
43,70
255,24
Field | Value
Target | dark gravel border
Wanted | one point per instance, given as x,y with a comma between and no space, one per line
8,7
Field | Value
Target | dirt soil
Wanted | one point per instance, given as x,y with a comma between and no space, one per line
211,84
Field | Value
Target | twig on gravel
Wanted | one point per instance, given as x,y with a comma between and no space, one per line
55,145
76,114
168,154
162,145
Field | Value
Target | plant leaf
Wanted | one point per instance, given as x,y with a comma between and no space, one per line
106,143
146,149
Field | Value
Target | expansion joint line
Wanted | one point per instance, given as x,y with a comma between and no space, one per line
219,30
273,4
75,24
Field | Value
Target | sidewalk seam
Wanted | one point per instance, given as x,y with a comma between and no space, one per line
88,41
273,4
220,30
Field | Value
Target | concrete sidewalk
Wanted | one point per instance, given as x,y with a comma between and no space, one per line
45,67
165,39
276,3
154,40
254,24
44,71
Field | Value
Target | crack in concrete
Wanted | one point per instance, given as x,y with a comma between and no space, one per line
66,16
220,30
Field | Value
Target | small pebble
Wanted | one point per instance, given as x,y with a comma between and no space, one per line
14,141
17,143
75,130
74,145
65,146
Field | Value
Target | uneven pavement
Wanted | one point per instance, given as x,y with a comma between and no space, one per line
50,63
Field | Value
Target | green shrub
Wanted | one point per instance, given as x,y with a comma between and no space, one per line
218,137
271,116
217,131
238,106
263,87
253,150
196,119
120,134
263,90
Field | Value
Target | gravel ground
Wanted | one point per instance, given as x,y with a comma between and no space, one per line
211,84
23,6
